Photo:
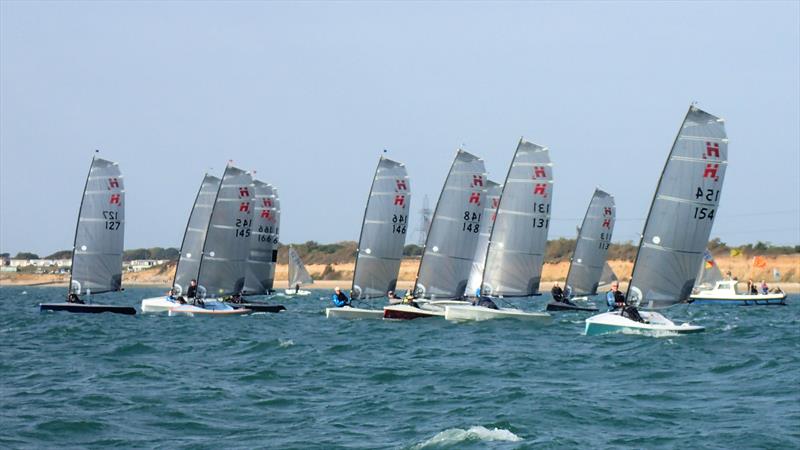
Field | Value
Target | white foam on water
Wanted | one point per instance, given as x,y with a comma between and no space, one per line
283,343
651,333
479,433
24,293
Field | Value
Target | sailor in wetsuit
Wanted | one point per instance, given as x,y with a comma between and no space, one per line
296,288
616,301
557,292
73,298
339,298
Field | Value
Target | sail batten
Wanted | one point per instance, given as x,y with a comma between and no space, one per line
591,247
682,213
383,231
100,231
517,243
188,267
223,263
454,230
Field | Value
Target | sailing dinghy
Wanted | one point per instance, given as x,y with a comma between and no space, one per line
383,235
98,245
515,249
450,246
263,252
677,228
188,266
589,258
298,275
223,260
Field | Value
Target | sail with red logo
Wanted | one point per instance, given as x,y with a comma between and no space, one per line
383,231
591,247
224,259
454,231
682,213
263,240
487,223
515,255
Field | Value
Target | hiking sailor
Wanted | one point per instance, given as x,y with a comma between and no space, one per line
339,298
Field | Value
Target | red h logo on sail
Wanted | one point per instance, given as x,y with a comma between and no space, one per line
265,214
475,197
401,185
115,198
400,200
540,189
711,171
244,207
712,149
267,202
113,183
539,171
244,192
477,180
607,223
495,202
607,211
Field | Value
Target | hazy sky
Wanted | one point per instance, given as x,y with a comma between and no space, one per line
308,94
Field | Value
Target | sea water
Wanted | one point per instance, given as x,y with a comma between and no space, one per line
299,380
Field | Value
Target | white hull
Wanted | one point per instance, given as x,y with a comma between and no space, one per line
725,292
157,305
210,309
300,292
348,312
612,322
469,312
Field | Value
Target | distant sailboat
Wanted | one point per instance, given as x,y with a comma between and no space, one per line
298,275
188,266
607,276
383,235
589,258
677,227
515,252
98,246
450,245
223,261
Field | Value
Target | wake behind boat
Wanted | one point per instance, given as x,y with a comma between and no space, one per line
98,245
380,245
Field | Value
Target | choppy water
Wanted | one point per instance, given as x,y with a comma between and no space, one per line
299,380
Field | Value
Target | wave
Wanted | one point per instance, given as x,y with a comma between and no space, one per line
283,343
479,433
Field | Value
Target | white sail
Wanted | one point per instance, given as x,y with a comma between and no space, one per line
591,247
682,213
487,223
263,240
297,270
194,236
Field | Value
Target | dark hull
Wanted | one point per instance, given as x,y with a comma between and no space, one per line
87,309
259,307
406,315
558,306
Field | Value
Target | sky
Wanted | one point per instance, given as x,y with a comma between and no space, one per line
309,94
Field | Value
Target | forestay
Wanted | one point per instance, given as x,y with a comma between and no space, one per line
263,251
297,270
709,272
383,231
188,267
224,260
591,247
517,243
487,223
682,213
454,231
99,235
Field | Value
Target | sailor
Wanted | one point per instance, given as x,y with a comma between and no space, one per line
296,288
340,298
558,293
171,297
764,287
614,298
408,299
486,302
393,298
73,298
192,291
567,293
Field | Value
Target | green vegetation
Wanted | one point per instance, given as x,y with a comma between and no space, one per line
26,255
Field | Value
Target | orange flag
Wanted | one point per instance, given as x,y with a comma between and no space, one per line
759,262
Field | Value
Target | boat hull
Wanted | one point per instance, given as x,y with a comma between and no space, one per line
408,312
87,309
560,306
478,313
613,322
191,310
301,292
259,307
157,304
738,299
348,312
